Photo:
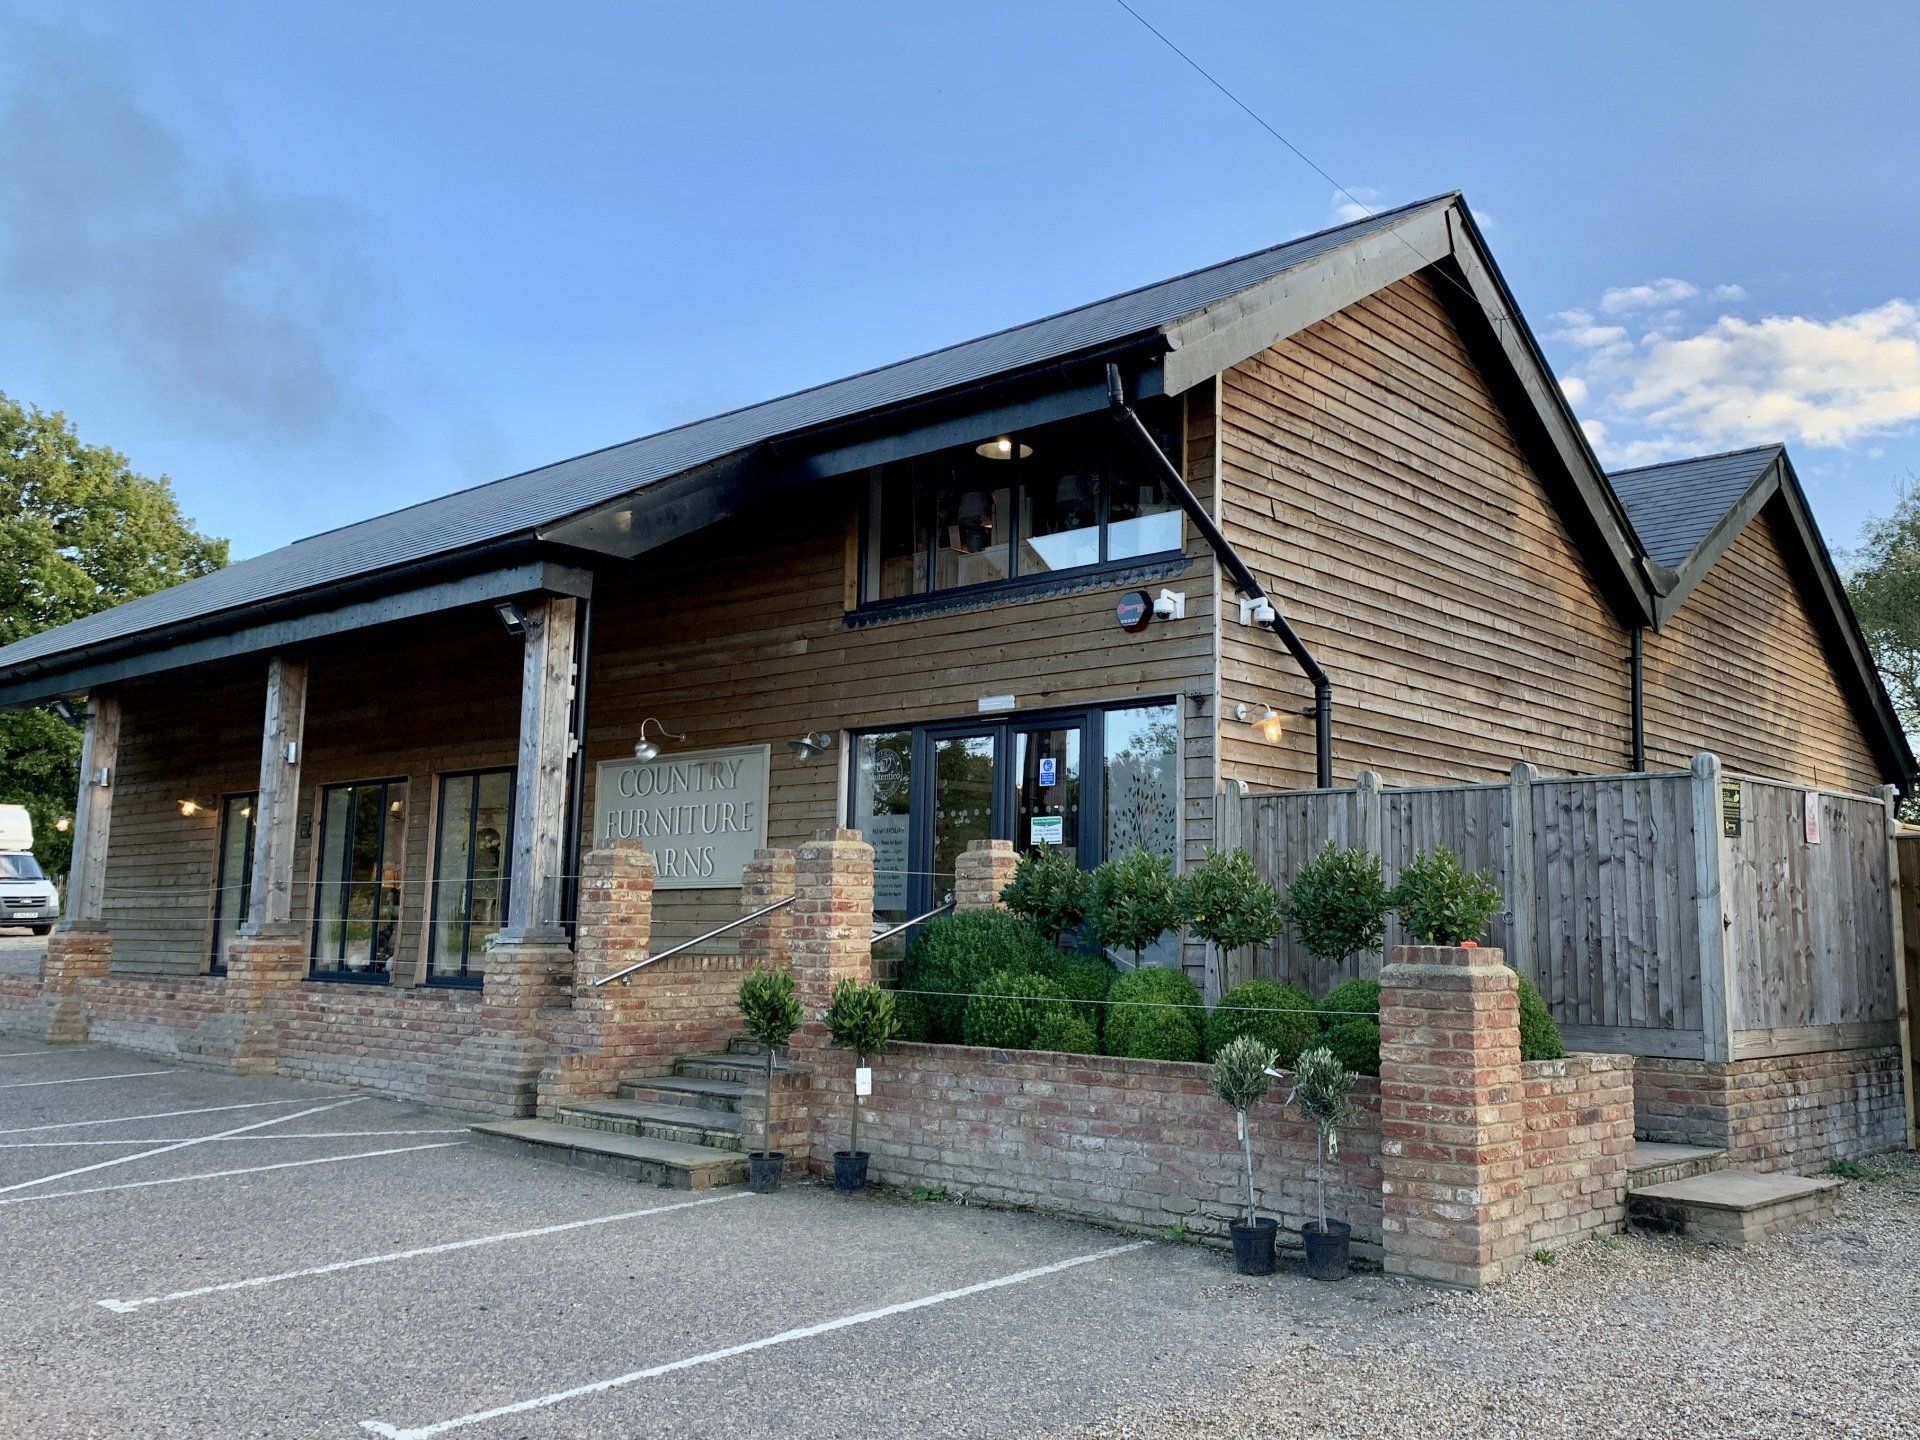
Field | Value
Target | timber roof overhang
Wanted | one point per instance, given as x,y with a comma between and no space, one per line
1689,513
547,528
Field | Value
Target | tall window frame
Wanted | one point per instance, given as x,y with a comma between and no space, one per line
378,807
232,892
451,893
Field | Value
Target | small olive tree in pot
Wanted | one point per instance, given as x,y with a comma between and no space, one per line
1321,1085
1241,1079
772,1015
861,1018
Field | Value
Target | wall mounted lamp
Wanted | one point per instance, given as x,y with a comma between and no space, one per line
646,750
64,709
1270,724
814,742
511,616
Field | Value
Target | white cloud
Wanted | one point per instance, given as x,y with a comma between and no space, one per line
1727,292
1574,388
1656,293
1356,204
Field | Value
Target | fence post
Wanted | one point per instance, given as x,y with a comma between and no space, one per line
1230,832
1902,1001
1716,975
1523,895
1369,821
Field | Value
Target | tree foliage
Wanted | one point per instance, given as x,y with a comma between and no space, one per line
1228,903
1441,902
79,531
1884,585
1136,900
1051,890
1338,903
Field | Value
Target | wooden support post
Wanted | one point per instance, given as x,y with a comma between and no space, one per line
277,806
1716,971
1523,894
93,813
540,794
1369,813
1903,1001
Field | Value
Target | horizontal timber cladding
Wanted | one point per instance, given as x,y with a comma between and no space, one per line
1741,671
1372,482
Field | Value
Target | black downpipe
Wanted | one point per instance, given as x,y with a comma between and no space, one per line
577,769
1124,416
1639,677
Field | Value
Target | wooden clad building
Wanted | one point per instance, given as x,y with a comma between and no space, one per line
954,599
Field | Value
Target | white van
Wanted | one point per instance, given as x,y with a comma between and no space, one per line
27,897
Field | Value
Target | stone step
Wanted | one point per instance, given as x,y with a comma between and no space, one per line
631,1157
1731,1207
742,1069
686,1124
687,1090
1657,1163
747,1045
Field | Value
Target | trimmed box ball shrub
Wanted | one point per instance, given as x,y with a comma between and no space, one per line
1355,1044
1063,1031
1279,1016
952,955
1155,1015
1350,997
1539,1036
1087,980
1005,1010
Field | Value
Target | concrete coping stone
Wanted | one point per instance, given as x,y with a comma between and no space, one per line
1740,1191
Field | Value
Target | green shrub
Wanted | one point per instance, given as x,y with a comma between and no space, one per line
1066,1032
1050,889
1338,903
1240,1080
910,1011
1441,903
1350,997
952,955
1539,1036
1087,980
772,1013
1227,902
1155,1016
1136,900
1279,1016
865,1020
1005,1010
1355,1044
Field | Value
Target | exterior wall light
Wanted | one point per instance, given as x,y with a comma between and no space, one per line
1269,724
191,808
1002,448
814,742
511,616
646,750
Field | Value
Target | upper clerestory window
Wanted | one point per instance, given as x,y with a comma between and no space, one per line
1065,497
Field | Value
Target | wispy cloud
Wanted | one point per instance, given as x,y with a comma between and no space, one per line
1701,377
1356,203
223,298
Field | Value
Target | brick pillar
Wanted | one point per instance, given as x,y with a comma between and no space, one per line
831,939
767,878
599,1040
981,873
523,1004
1452,1167
264,964
75,954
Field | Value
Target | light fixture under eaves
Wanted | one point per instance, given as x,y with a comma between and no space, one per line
1002,447
814,742
1269,724
646,750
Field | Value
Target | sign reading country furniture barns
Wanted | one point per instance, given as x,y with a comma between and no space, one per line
702,813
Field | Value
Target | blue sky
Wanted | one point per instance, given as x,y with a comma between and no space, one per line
317,263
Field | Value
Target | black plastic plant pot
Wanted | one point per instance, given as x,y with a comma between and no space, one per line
1327,1250
849,1169
764,1169
1253,1246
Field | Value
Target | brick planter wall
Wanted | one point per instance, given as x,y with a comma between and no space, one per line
1791,1112
1131,1142
1577,1146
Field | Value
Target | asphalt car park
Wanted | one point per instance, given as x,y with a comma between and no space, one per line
190,1253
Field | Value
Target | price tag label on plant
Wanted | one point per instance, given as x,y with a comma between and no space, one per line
863,1080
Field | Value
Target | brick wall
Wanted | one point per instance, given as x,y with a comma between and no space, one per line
1130,1142
1791,1112
1578,1145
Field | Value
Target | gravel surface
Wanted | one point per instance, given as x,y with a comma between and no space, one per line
1816,1333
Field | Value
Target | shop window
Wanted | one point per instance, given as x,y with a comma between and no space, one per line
233,876
356,922
472,869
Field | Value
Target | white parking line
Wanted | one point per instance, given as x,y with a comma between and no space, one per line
155,1115
222,1174
171,1146
804,1332
124,1307
237,1139
17,1054
81,1079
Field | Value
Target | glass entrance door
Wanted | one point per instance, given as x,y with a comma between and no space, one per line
964,795
1046,793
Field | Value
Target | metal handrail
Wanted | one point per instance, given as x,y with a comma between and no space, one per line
697,940
889,933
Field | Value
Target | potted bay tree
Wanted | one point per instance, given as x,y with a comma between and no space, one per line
861,1018
1321,1085
772,1015
1242,1074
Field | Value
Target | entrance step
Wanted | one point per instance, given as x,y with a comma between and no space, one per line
731,1065
690,1091
1731,1207
1656,1163
685,1124
631,1157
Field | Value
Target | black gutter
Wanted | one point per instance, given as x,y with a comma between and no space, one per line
1639,679
577,770
1322,711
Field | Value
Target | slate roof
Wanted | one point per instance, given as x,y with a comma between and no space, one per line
522,504
1674,506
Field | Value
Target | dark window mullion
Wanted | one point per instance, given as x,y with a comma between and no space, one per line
466,890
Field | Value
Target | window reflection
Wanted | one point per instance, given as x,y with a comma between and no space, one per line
357,919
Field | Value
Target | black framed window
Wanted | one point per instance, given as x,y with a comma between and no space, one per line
472,873
233,875
1068,497
356,913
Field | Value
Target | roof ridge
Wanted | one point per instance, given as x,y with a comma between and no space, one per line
1696,459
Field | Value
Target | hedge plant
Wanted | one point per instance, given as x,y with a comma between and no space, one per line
1349,998
1539,1036
1155,1015
1050,889
1067,1032
1006,1008
1279,1016
1338,904
1355,1043
952,955
1226,902
1136,900
1442,903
